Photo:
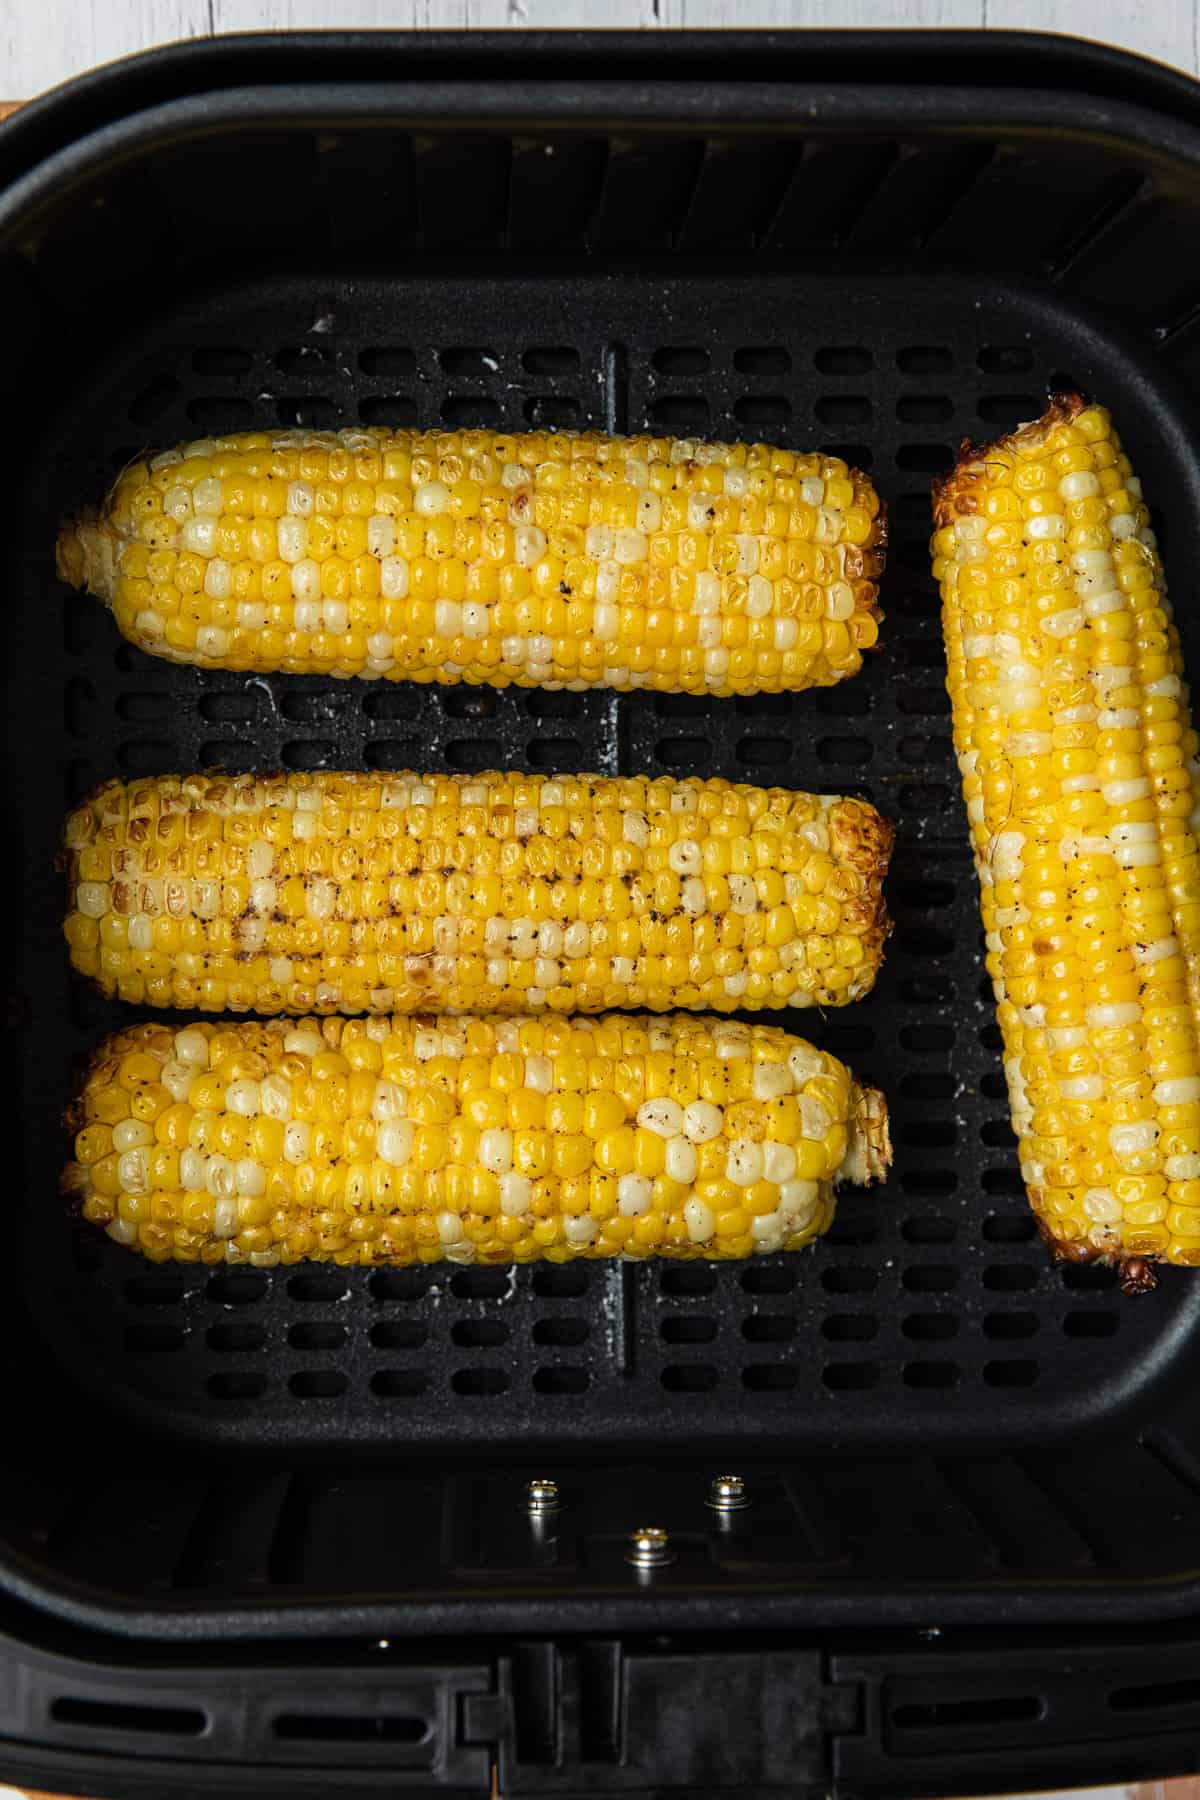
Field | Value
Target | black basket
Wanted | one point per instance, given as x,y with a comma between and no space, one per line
802,238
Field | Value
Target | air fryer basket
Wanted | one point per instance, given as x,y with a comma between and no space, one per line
770,238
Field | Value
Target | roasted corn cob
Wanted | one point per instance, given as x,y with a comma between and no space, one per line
397,1140
496,892
1078,760
545,559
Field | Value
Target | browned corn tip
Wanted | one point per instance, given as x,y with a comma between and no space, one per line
953,492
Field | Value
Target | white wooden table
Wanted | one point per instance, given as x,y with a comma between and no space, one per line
42,42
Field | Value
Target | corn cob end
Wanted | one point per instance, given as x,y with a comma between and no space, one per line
86,555
955,493
869,1151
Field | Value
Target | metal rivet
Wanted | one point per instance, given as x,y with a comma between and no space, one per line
649,1548
728,1493
541,1495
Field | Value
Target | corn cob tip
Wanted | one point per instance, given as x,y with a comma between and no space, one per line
1136,1274
86,555
953,492
869,1152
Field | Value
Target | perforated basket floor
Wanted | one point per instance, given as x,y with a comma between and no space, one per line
931,1312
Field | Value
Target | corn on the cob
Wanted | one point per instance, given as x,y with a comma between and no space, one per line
396,1140
497,892
544,559
1078,761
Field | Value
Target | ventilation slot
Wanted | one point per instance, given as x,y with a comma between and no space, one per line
112,1715
352,1728
950,1715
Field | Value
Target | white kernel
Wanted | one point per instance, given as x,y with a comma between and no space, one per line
431,498
664,1116
682,1161
1080,484
539,1074
1102,1205
692,896
1064,624
577,939
191,1045
91,899
447,619
1132,1140
815,1121
529,545
1083,1087
579,1231
221,1181
699,1221
1123,793
516,1194
224,1223
296,1138
684,857
1159,951
275,1096
394,1141
475,616
779,1162
635,828
495,1150
177,1077
208,495
514,475
634,1193
798,1201
744,1165
132,1134
839,601
629,545
177,503
747,560
335,616
804,1062
193,1171
787,631
605,621
649,511
393,577
598,542
1181,1090
244,1098
301,498
450,1228
770,1081
706,598
212,641
1178,1168
1046,525
306,589
250,1178
1097,606
218,579
199,535
702,1121
381,535
292,537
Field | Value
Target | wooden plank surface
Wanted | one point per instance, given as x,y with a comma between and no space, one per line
42,42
